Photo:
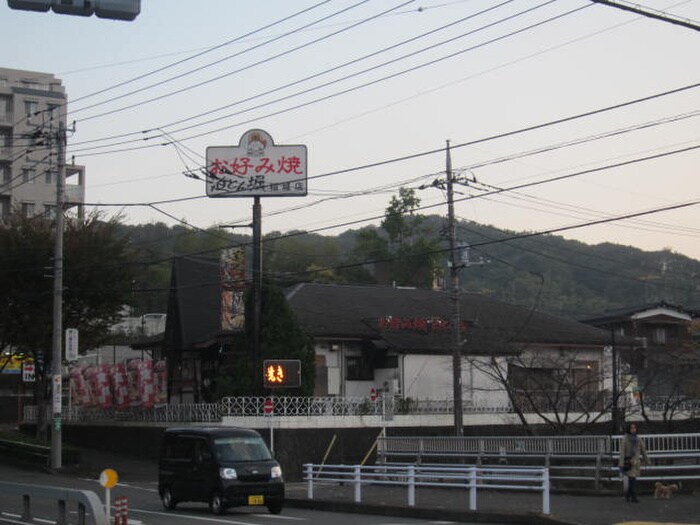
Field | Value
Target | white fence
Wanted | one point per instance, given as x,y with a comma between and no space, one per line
472,478
252,406
673,457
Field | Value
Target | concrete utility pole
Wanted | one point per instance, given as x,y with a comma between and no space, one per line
57,350
454,297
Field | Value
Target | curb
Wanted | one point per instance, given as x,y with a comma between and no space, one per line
425,513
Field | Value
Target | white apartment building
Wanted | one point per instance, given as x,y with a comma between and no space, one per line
31,106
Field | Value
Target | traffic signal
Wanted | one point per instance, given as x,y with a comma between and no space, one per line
281,373
112,9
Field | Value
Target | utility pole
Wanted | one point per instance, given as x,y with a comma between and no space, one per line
454,297
57,350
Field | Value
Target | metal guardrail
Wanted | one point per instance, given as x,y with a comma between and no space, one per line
87,502
472,478
570,458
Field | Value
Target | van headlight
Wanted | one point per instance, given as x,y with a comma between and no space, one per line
276,472
228,473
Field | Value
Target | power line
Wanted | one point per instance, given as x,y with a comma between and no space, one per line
263,61
650,13
336,94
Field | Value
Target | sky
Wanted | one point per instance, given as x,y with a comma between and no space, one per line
525,91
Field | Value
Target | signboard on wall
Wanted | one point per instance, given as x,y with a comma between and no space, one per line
256,167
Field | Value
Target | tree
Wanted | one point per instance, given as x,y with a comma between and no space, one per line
282,337
413,248
98,272
560,389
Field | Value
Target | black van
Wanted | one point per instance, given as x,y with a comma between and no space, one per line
223,466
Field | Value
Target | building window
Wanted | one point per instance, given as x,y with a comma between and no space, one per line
52,111
5,108
5,173
5,138
50,177
31,107
28,209
659,335
28,175
358,368
4,208
50,211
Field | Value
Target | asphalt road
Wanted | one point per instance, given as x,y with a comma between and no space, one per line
145,507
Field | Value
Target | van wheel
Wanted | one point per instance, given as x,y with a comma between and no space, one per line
216,503
275,508
167,498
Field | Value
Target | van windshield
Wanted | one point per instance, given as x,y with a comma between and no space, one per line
241,449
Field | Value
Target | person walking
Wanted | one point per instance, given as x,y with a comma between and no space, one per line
633,453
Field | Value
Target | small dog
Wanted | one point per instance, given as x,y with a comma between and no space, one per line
664,491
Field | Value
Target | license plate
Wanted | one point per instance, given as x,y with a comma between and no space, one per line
256,500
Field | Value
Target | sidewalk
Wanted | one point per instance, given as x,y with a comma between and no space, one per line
450,504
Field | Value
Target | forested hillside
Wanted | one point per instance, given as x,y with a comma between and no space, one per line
555,275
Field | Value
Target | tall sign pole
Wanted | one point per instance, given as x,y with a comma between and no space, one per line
454,297
256,167
257,279
56,351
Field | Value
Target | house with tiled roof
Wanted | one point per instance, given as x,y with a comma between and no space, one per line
391,340
664,361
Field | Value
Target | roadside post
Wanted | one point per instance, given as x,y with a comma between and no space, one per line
108,479
269,410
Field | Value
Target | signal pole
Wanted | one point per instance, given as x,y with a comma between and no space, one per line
454,298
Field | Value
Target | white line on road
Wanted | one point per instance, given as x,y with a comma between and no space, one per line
278,517
191,517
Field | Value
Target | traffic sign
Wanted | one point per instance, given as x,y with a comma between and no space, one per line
108,478
373,394
71,344
268,407
28,372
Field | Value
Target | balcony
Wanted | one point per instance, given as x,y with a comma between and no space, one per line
75,194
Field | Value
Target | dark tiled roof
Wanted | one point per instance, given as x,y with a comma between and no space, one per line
332,311
626,313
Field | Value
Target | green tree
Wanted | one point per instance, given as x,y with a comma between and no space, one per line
282,337
97,274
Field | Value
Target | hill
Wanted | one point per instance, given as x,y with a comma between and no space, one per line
562,277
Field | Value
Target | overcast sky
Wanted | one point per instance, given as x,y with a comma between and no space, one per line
365,84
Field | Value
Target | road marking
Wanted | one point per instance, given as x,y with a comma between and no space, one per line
651,523
191,517
278,517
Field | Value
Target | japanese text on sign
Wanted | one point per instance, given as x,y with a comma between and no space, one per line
421,324
281,373
256,167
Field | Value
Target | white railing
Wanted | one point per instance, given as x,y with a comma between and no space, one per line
304,406
185,413
569,458
471,478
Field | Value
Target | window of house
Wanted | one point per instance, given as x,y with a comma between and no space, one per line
28,209
50,177
659,335
28,175
3,82
5,173
358,368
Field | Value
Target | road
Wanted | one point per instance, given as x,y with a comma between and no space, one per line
145,508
